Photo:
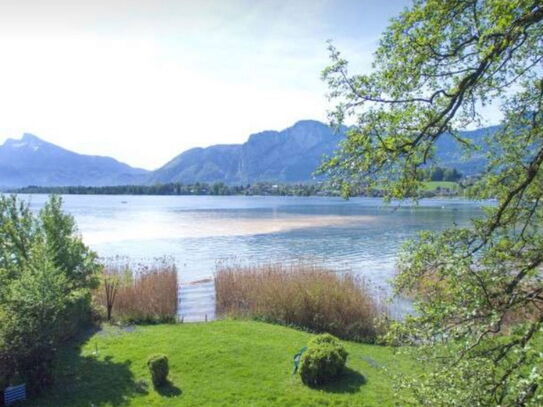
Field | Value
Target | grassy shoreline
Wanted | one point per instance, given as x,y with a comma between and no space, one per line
242,363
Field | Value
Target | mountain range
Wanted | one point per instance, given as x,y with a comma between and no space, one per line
286,156
291,155
33,161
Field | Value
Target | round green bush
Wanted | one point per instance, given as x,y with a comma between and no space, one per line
158,366
323,361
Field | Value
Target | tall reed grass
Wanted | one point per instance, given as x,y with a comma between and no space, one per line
303,295
144,294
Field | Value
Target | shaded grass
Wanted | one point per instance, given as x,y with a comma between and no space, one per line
303,295
169,390
222,363
350,381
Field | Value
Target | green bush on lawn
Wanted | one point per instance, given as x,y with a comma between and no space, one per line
323,361
158,366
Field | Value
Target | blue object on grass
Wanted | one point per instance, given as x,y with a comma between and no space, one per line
297,358
14,393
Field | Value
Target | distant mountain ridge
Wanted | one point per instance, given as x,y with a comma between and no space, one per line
450,154
288,156
33,161
291,155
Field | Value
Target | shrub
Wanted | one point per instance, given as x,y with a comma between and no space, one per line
140,294
158,366
323,361
46,273
302,295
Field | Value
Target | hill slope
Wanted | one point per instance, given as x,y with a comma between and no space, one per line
450,153
32,161
291,155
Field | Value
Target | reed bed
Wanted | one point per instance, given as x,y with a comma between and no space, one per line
303,295
142,294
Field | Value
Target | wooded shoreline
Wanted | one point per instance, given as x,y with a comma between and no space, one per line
432,188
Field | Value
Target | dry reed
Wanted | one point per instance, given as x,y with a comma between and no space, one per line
145,294
302,295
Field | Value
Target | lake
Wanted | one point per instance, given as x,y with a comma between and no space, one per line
362,235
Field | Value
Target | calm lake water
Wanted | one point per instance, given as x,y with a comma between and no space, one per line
361,235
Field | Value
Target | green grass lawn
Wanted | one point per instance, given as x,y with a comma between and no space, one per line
223,363
434,185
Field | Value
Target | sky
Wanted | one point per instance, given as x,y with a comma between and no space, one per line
144,80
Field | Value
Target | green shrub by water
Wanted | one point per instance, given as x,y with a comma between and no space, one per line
46,274
323,361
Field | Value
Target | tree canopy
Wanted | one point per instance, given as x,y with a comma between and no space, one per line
46,274
478,290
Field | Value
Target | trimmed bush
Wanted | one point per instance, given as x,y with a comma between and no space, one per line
323,361
158,366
